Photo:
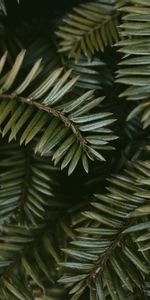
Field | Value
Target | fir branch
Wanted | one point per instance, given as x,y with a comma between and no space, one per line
134,67
40,109
111,249
90,27
102,262
52,111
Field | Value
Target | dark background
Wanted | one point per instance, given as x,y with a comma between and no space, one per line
32,8
34,18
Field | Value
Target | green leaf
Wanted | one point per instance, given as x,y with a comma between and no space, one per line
13,73
75,160
14,291
31,76
136,260
119,269
77,266
3,61
110,285
99,288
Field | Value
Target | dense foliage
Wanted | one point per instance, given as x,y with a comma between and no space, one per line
75,150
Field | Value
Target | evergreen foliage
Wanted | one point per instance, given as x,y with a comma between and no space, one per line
75,150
